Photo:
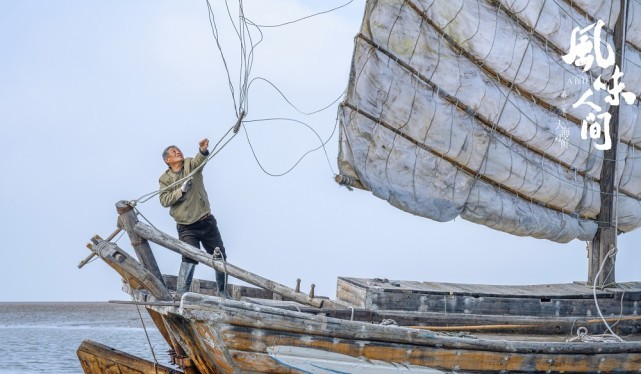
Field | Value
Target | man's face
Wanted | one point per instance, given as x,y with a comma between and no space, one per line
174,155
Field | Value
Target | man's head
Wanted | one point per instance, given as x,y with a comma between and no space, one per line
172,155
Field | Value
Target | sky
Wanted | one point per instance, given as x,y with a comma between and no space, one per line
92,92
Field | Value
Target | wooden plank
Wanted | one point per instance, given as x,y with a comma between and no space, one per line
349,292
97,358
132,271
626,325
498,305
571,299
255,316
195,254
455,359
569,290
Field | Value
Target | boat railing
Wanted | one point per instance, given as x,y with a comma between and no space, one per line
144,270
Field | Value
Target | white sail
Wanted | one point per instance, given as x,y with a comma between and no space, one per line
445,118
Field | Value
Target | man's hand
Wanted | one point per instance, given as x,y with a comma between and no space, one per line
186,186
203,144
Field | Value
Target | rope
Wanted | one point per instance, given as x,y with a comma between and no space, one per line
148,340
145,218
322,145
611,253
583,336
151,348
290,103
306,17
243,28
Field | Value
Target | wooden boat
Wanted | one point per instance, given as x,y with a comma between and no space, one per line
436,327
453,109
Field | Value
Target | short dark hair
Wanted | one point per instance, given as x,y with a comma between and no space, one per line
165,153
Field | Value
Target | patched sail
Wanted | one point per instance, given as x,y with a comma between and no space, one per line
467,108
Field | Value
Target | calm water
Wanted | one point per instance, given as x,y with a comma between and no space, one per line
43,337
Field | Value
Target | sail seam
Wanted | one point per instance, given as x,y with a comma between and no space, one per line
461,167
505,82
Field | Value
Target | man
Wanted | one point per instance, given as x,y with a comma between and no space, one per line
189,206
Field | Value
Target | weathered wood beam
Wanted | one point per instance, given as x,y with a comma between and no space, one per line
195,254
472,322
433,356
88,258
128,220
605,239
130,269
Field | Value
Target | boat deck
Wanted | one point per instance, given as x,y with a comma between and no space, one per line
560,300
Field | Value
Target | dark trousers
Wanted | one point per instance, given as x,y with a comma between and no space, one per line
204,231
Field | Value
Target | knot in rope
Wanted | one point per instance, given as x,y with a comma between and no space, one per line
583,336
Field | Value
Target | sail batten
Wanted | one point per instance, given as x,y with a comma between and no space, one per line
463,168
438,131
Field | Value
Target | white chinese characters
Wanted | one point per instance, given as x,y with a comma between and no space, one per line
579,54
581,48
563,135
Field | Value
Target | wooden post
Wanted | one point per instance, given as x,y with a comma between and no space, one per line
128,220
606,237
195,254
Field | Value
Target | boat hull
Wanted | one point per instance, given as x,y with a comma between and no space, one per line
229,336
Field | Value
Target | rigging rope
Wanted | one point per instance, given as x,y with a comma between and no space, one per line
148,340
306,17
322,145
243,28
241,105
611,253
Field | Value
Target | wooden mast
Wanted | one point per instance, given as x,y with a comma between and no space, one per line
605,239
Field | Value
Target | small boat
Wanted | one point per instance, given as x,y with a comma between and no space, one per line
97,358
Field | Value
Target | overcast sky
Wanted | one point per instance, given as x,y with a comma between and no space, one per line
92,92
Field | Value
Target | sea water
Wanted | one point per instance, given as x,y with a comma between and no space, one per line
44,337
